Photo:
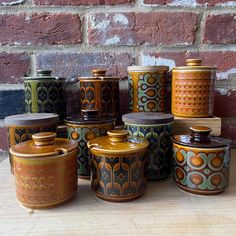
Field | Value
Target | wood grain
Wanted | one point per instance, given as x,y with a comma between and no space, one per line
163,210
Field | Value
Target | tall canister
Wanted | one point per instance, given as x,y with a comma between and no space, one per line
45,93
193,89
156,127
148,88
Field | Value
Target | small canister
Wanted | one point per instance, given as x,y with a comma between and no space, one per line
193,89
148,88
118,166
84,128
45,93
45,170
157,128
100,92
201,161
21,127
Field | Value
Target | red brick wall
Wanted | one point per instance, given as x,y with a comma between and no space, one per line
73,36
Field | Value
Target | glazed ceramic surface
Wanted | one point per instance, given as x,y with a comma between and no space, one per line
82,129
45,93
193,90
201,162
147,88
100,93
157,129
22,127
118,166
45,170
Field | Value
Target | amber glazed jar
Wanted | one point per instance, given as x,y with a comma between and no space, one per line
147,88
45,170
193,89
100,92
118,166
201,162
84,128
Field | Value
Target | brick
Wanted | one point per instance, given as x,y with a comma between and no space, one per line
40,29
11,102
229,129
220,29
3,139
216,2
152,28
13,67
159,2
11,2
71,65
81,2
191,3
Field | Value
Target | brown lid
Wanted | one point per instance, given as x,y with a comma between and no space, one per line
148,118
117,142
98,74
148,68
200,138
44,144
194,64
31,119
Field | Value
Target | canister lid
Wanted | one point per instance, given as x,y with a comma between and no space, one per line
98,74
194,64
146,118
200,138
89,117
31,119
43,74
44,144
117,142
148,68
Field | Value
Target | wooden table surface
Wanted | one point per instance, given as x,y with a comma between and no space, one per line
163,210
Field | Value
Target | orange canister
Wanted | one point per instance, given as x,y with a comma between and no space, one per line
193,89
45,170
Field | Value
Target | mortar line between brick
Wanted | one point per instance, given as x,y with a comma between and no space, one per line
32,64
199,31
84,29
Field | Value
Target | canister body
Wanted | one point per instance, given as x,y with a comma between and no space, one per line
147,90
82,133
201,170
119,177
160,147
45,182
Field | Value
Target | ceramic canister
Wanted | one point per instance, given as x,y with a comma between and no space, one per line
201,161
21,127
100,92
148,88
193,89
84,128
45,170
118,166
157,128
45,93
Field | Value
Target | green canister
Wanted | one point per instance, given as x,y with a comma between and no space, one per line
45,93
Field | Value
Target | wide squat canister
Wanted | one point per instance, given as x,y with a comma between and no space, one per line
45,93
21,127
157,128
148,88
84,128
100,92
201,161
118,166
193,89
45,170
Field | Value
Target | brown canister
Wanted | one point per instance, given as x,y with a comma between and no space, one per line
100,92
193,89
148,88
45,170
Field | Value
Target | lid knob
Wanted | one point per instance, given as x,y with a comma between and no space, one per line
98,72
200,134
116,136
87,114
44,72
193,62
44,138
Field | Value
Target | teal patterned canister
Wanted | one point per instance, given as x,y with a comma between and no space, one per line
45,93
157,128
